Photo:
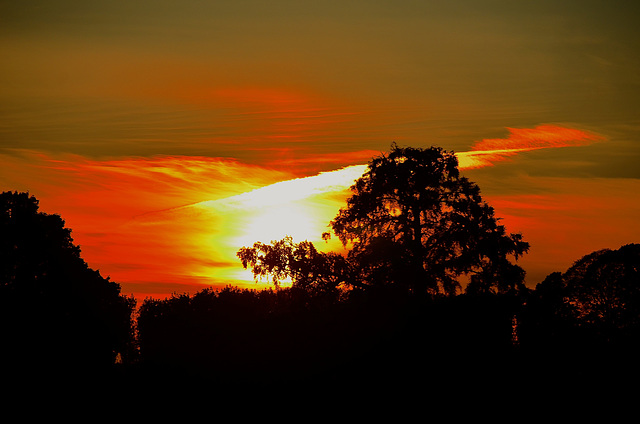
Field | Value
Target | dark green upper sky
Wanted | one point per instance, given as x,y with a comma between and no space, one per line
122,78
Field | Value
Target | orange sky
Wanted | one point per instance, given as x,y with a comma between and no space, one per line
168,136
173,224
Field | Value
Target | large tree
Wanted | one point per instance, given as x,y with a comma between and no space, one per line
602,289
413,220
54,309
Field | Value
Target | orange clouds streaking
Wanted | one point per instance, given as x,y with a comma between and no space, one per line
488,151
106,204
174,223
124,188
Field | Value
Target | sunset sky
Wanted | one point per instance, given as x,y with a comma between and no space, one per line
170,134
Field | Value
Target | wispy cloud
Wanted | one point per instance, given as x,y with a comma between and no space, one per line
489,151
310,162
115,209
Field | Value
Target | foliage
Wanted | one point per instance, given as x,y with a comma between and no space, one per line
267,337
233,335
603,288
57,312
413,220
315,273
55,309
597,300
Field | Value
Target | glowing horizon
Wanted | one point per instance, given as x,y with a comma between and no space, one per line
180,220
149,128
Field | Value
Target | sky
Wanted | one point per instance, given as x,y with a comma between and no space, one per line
170,134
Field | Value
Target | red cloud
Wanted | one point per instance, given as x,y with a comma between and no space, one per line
488,151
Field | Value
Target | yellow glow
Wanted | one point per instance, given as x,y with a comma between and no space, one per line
301,208
126,218
294,218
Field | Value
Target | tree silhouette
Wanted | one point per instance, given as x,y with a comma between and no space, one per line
56,311
602,289
596,300
413,220
584,323
235,336
317,274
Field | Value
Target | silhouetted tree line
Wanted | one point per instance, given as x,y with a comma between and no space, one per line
390,311
57,315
